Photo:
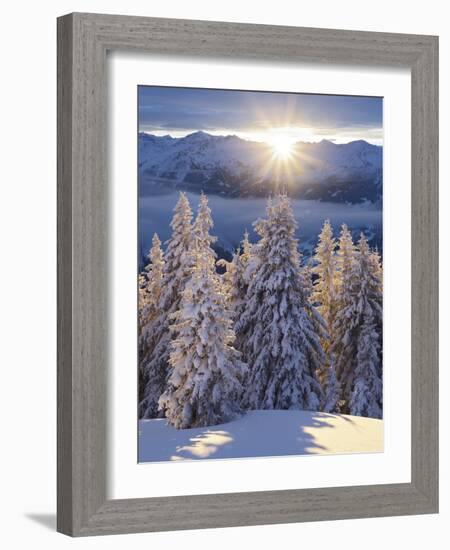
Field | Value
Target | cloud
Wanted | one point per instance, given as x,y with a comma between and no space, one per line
177,110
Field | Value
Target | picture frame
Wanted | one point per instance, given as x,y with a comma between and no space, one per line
83,41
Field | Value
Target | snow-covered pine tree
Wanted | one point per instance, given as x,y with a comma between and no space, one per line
376,270
367,394
358,340
150,287
280,343
205,385
345,257
325,297
377,273
320,327
375,262
175,273
202,241
343,346
324,294
232,282
150,291
246,254
235,279
143,298
331,391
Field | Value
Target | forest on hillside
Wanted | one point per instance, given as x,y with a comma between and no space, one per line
262,331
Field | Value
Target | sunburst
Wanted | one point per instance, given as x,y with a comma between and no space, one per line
282,147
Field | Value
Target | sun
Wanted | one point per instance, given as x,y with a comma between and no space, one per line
282,147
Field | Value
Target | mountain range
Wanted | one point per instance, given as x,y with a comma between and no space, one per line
232,167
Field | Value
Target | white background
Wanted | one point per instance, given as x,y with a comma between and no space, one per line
28,302
131,480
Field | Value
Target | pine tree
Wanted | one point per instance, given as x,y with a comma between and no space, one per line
345,258
175,273
319,324
246,254
204,387
235,279
366,397
343,346
151,283
281,346
202,241
326,376
325,268
377,274
150,287
367,394
358,339
331,391
325,297
232,282
376,267
143,298
376,271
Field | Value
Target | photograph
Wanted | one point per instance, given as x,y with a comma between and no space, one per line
259,274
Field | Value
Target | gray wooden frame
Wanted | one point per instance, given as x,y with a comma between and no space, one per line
83,41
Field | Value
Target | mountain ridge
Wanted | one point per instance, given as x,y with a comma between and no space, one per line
230,166
202,133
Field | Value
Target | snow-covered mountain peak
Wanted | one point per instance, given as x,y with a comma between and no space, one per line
234,167
200,135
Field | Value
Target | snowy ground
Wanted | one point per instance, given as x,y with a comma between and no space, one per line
262,433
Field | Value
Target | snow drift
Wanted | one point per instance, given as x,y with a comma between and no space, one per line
262,434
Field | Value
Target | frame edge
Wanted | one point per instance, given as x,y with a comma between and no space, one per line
425,272
64,274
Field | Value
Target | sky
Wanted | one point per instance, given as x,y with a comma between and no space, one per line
260,116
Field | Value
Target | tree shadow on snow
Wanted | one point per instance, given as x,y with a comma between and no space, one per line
255,434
